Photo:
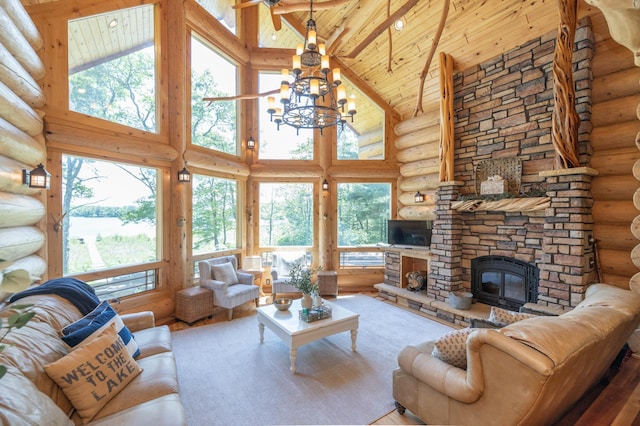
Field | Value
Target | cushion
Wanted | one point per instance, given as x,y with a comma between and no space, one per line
505,317
96,321
452,347
94,372
483,323
225,272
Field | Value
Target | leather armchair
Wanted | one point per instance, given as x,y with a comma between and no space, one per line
228,294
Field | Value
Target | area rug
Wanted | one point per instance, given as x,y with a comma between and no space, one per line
227,377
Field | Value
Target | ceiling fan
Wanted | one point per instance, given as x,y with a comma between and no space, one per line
281,7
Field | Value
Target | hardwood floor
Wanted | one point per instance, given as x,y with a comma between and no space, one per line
614,401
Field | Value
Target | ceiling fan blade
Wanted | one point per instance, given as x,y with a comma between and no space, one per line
246,4
276,19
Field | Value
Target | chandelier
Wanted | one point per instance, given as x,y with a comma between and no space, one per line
301,107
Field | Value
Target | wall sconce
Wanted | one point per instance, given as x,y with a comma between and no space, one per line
184,175
37,178
419,197
251,143
325,185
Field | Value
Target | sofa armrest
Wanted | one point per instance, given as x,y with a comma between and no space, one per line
245,278
215,285
439,375
139,320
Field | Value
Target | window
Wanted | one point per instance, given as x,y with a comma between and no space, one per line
222,11
363,211
283,144
214,217
286,214
112,72
213,125
362,139
111,217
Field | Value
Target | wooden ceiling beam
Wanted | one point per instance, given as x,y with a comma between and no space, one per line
355,21
381,28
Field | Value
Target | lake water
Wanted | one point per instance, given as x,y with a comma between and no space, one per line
91,226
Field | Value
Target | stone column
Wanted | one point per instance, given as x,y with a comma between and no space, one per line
445,265
568,264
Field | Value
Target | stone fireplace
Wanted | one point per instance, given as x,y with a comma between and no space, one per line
503,109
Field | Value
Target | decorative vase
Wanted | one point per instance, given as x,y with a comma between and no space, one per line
306,302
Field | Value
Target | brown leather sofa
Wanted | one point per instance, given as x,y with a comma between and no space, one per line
527,373
29,397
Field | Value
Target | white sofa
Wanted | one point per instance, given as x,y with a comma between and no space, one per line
527,373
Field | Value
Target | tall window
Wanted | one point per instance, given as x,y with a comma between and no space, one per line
286,214
112,71
363,211
213,125
362,139
215,224
283,144
111,217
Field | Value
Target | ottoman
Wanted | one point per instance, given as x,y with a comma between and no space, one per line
193,304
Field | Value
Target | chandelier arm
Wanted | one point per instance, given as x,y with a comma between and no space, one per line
249,96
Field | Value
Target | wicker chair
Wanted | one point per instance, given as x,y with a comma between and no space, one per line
219,277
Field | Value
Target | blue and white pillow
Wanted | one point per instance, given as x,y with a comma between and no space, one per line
96,321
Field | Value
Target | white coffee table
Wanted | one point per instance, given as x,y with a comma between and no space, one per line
296,332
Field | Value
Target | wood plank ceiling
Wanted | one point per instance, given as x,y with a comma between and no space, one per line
475,31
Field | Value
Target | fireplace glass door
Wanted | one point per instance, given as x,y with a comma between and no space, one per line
503,281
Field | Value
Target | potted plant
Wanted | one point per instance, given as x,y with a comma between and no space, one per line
302,278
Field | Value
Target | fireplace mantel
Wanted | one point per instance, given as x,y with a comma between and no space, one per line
528,204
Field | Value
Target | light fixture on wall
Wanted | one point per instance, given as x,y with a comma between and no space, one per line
251,143
37,178
419,197
184,175
325,185
301,108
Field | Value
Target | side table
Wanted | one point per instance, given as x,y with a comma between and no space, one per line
328,283
193,304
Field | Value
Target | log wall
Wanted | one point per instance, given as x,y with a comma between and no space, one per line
615,134
22,236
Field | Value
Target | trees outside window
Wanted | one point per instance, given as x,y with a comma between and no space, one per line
286,214
213,125
115,80
110,217
215,222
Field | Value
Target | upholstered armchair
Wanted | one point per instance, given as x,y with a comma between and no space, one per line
230,287
282,263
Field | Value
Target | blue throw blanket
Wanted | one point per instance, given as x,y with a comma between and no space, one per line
81,294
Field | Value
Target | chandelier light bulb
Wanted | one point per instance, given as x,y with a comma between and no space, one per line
322,49
284,74
284,93
314,88
271,105
342,95
297,64
311,41
325,64
337,77
351,106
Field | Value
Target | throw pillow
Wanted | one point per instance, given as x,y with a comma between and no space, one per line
96,321
452,347
225,272
505,317
94,372
483,323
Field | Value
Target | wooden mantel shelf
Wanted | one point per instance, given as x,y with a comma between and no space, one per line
505,205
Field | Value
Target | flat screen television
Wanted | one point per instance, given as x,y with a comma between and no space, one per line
409,233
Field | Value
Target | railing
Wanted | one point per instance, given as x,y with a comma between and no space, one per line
125,285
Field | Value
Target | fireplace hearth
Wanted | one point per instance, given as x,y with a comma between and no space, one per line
504,281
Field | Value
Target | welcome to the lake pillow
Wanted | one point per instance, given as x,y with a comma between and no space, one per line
94,372
96,321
